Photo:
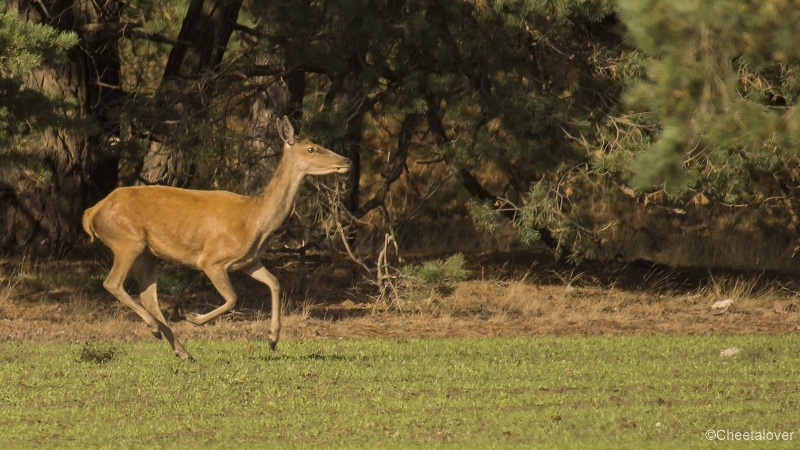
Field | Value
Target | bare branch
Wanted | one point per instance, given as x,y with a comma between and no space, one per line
396,165
130,30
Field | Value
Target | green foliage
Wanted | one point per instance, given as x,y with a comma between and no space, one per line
441,276
721,80
25,112
549,207
621,392
24,47
484,215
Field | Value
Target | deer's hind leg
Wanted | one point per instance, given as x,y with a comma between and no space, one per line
145,269
124,259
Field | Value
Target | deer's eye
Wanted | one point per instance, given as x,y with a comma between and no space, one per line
310,150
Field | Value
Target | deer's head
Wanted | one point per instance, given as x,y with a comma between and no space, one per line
309,157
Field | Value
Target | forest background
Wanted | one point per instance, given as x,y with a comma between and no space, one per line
608,130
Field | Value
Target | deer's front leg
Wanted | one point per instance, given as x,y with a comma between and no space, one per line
219,278
258,272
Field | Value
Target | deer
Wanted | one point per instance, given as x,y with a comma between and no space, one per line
216,232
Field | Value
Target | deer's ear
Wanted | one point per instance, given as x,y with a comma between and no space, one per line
286,131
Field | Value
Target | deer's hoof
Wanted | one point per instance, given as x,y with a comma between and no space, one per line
192,318
273,345
157,335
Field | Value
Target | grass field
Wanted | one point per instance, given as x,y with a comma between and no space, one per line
571,392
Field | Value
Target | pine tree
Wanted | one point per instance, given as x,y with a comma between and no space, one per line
24,111
721,81
50,179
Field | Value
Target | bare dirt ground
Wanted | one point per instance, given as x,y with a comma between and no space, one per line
506,295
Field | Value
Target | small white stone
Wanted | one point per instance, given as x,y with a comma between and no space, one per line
722,304
729,351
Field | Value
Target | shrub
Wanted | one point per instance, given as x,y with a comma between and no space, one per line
437,275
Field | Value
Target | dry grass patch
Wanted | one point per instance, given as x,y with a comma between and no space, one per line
65,302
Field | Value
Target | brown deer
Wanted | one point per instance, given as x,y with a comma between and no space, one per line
214,231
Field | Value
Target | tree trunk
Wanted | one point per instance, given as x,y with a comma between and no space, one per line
203,38
296,83
41,207
163,165
202,41
262,144
354,175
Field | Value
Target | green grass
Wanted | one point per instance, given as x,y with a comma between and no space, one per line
493,393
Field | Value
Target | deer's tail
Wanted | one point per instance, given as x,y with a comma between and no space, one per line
88,221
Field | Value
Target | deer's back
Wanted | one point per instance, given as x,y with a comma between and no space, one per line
176,224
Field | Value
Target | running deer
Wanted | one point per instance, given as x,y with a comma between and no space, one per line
214,231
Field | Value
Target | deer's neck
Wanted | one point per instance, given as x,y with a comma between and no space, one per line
278,198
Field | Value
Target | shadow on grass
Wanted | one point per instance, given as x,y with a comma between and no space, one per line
310,357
